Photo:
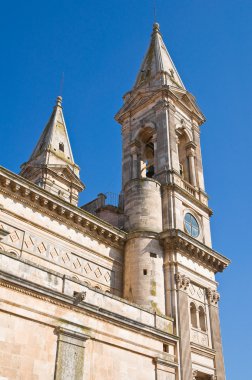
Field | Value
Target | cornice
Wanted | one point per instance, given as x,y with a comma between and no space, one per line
62,300
30,194
165,93
209,352
186,194
176,239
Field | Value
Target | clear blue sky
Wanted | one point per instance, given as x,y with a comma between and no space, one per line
99,46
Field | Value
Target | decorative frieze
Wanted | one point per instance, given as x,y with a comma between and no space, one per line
213,296
18,188
199,337
182,281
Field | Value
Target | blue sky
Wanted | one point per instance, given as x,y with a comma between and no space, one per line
99,46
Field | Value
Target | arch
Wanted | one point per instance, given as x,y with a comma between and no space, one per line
146,151
145,129
14,252
182,154
193,314
202,319
86,283
97,287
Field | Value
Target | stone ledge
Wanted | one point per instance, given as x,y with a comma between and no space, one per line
101,304
174,239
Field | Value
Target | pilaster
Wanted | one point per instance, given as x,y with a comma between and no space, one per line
182,284
213,299
70,354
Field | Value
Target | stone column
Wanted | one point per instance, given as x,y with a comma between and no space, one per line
134,155
191,157
70,354
182,283
154,140
213,298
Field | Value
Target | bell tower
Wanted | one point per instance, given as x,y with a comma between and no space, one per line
170,265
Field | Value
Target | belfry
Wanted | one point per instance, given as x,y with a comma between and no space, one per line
114,290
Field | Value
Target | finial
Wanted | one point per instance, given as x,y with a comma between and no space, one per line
59,101
156,27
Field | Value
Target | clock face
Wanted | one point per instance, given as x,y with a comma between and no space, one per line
191,225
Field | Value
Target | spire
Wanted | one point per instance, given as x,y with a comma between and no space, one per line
51,164
157,67
54,138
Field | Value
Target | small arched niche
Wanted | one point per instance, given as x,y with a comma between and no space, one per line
193,314
202,319
183,159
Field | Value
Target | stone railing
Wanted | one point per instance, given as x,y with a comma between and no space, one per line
199,337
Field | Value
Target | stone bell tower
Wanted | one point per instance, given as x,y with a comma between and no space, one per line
170,265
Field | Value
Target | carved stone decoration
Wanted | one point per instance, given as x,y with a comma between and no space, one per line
213,377
213,296
182,281
194,374
79,297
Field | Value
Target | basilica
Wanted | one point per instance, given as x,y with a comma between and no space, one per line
116,288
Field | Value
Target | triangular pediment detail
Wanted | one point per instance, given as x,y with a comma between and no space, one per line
136,101
188,100
66,173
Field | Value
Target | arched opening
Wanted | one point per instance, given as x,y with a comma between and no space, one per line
193,314
149,159
61,147
183,159
147,153
202,319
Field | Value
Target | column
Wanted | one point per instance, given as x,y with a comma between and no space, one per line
213,299
70,354
155,163
190,151
134,155
182,283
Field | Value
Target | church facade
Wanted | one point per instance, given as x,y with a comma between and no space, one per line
111,290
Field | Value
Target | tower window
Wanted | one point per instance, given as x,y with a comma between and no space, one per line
191,225
202,319
145,272
61,147
165,347
154,255
193,315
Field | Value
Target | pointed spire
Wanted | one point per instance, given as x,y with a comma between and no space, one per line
53,154
55,137
157,67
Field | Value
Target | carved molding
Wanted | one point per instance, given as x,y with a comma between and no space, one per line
22,190
213,296
182,281
178,240
61,331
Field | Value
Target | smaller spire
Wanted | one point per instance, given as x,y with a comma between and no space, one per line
51,164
